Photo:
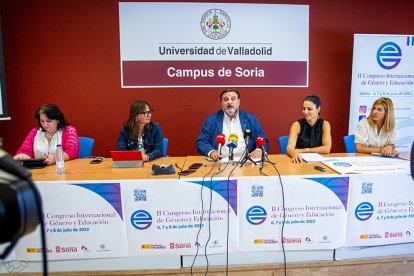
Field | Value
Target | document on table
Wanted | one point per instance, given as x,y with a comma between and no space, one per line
314,157
368,164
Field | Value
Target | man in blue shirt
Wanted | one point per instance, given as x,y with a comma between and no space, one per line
230,119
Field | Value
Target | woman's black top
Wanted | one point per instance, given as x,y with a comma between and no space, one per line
309,136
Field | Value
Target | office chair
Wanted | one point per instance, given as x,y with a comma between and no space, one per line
349,143
283,140
85,146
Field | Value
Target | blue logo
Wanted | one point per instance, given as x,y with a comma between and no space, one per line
342,164
141,219
256,215
364,211
389,55
361,117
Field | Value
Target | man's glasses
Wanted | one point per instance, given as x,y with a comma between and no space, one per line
147,113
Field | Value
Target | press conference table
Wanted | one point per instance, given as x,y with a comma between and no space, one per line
81,169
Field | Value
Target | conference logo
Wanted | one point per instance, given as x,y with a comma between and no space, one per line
61,249
291,240
389,55
174,245
256,215
102,248
215,24
389,235
216,244
370,236
364,211
31,250
37,250
148,246
264,241
141,219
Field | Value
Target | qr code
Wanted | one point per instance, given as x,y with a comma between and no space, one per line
366,188
140,195
257,191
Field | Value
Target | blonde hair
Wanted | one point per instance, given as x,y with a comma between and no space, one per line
389,119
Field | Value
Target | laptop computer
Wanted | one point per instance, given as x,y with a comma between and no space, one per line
126,159
34,163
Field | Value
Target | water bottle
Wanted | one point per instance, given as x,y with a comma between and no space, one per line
60,160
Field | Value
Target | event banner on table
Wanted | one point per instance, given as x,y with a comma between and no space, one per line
213,44
381,209
383,67
82,220
315,211
169,217
368,164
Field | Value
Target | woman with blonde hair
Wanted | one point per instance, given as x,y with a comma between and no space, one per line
376,133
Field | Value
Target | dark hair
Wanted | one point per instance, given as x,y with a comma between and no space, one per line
313,98
131,125
52,112
230,90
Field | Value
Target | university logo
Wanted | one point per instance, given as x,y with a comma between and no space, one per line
256,215
389,55
141,219
215,24
364,211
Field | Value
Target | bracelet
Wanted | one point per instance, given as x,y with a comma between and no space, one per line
307,150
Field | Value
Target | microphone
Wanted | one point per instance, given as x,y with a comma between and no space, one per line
260,143
220,141
247,136
232,144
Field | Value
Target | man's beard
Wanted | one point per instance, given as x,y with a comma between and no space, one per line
232,112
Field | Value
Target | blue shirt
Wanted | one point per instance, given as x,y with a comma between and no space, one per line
152,140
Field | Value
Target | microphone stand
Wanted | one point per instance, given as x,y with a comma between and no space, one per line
246,157
262,160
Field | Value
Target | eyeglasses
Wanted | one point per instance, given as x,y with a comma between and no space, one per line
147,113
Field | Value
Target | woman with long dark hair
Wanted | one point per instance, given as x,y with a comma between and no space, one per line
140,133
52,130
